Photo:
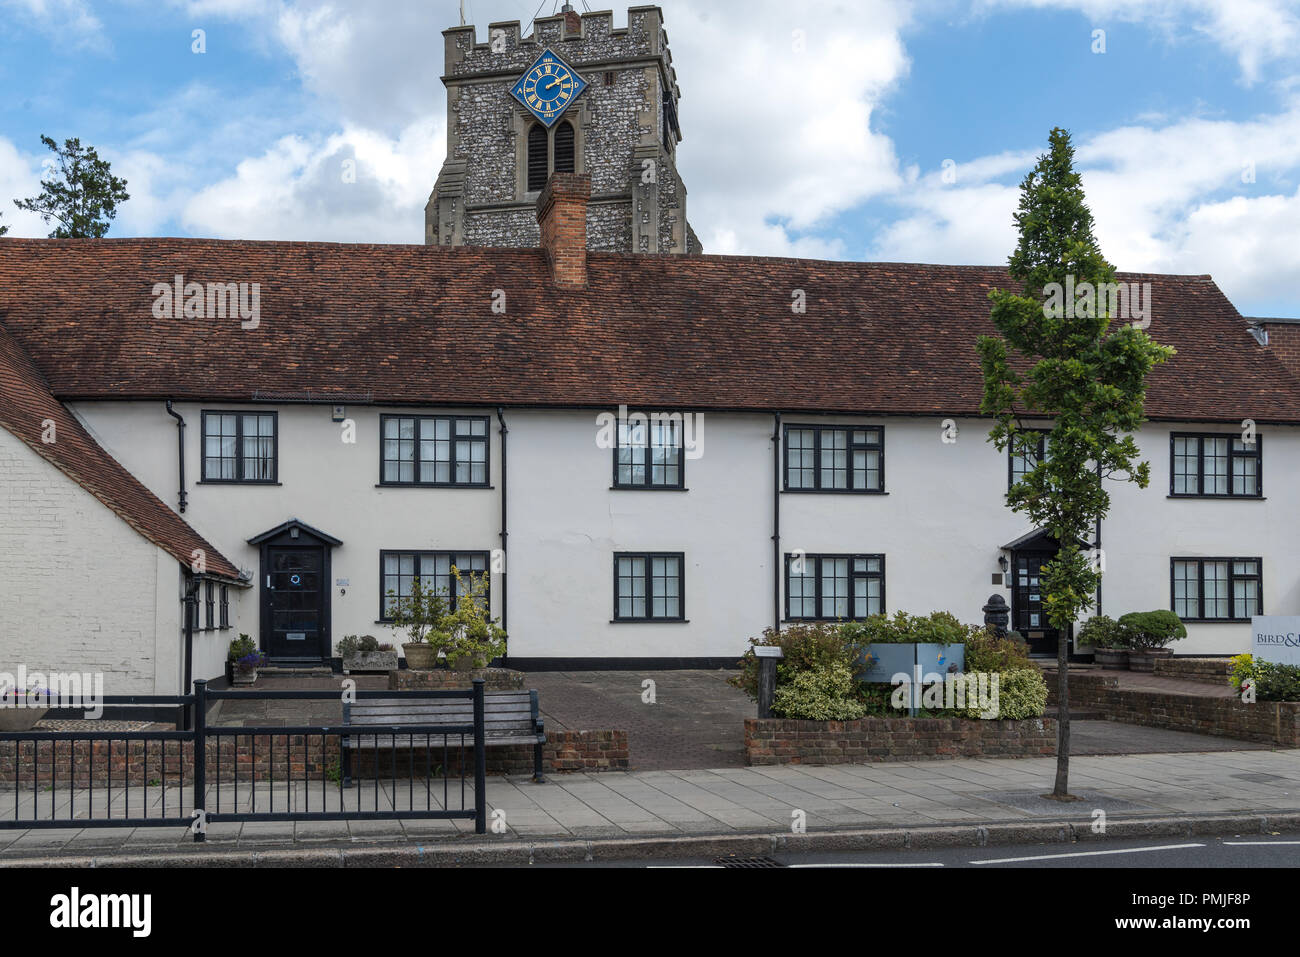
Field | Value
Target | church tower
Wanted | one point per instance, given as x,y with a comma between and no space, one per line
577,96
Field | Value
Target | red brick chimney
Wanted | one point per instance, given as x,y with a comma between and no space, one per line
562,213
572,21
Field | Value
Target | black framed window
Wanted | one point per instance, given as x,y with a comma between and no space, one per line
240,448
650,453
1217,589
834,587
847,460
224,621
1215,466
398,572
1027,451
438,451
209,606
648,586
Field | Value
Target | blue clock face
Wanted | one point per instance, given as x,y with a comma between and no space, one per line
548,88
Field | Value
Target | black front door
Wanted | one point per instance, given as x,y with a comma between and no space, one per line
294,595
1028,616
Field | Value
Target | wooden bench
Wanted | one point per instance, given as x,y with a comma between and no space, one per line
510,718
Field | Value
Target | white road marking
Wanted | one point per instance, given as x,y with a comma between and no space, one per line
815,866
1129,850
1262,843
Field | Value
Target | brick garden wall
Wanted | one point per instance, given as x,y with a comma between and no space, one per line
1271,722
872,740
280,758
495,679
1215,671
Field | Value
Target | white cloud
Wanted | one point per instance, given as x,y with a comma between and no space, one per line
20,175
777,140
300,190
1172,199
67,20
1256,32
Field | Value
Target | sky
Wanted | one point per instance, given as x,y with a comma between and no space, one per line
837,129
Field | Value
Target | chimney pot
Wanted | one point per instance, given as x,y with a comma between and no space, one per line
562,214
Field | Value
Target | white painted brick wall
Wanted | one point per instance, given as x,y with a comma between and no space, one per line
80,590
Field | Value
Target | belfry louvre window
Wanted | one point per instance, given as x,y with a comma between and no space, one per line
564,148
400,570
649,453
1217,589
539,162
240,448
434,451
834,587
835,460
1215,466
648,587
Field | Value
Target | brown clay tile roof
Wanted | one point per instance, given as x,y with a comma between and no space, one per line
26,403
414,325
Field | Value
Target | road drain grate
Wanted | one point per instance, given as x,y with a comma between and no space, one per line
748,863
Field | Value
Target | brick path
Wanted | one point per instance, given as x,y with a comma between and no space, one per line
697,720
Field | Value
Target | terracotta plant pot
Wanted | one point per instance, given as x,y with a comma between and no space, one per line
1144,659
420,657
20,719
1112,659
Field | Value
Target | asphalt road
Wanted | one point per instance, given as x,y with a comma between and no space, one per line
1245,851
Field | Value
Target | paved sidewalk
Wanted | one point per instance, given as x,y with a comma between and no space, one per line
740,801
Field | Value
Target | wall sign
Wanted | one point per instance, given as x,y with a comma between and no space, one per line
1276,639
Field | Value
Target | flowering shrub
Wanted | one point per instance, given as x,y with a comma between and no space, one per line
828,693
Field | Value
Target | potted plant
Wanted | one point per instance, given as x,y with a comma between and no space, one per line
21,708
1109,640
422,614
366,654
245,658
1152,632
475,637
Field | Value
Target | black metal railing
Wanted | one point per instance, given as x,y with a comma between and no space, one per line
212,774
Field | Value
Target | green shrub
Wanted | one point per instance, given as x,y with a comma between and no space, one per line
986,652
1153,629
242,647
352,646
807,647
1022,694
938,628
1104,632
827,693
1243,667
1272,681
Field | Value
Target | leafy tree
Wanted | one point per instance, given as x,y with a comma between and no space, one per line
83,196
3,228
1075,367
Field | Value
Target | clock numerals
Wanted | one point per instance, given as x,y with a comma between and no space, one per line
548,88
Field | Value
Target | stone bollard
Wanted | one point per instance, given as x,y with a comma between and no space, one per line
768,656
